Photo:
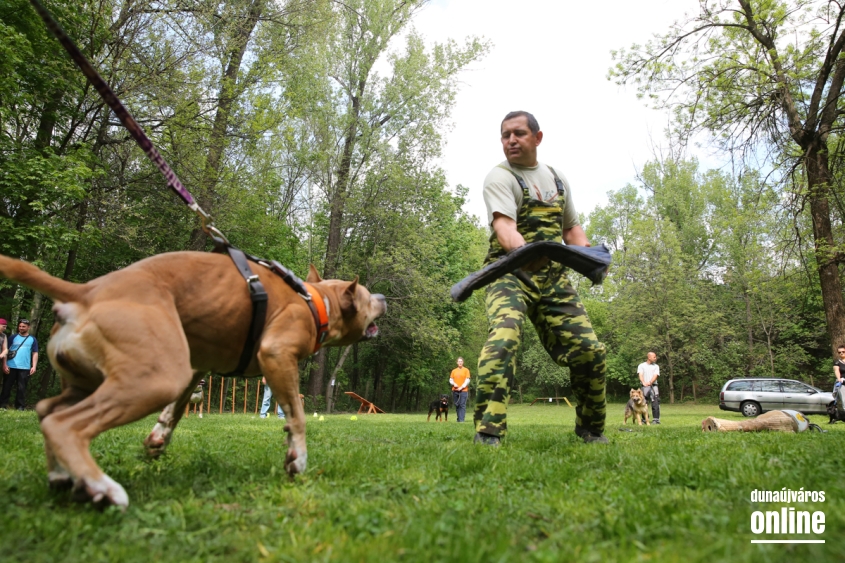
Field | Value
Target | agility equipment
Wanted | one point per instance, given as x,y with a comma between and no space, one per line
591,262
366,406
775,421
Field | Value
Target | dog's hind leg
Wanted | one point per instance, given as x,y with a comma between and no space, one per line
159,438
57,475
429,416
69,432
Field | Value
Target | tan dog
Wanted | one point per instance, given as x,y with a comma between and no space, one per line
139,339
636,408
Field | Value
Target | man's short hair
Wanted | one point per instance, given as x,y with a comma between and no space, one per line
23,321
460,358
532,121
840,346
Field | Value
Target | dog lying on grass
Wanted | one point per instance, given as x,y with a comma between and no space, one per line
440,406
138,340
637,408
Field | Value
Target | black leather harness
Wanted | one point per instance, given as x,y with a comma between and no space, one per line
258,296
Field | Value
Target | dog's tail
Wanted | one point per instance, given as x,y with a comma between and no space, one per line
30,276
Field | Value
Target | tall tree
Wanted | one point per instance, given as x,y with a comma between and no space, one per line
766,78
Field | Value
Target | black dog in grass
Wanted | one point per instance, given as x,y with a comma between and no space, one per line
440,406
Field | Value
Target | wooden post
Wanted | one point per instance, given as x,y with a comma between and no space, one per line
246,390
209,392
234,386
256,398
222,386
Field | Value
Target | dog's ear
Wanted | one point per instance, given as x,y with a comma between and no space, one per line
347,299
313,275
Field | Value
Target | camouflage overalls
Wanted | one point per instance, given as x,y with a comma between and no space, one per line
556,311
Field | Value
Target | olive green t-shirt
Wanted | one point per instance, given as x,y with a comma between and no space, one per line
502,193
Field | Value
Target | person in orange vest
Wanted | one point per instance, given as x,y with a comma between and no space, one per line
459,380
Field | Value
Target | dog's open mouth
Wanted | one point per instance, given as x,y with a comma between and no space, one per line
371,332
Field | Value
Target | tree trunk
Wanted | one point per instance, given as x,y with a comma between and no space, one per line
329,387
671,370
318,368
355,371
818,182
748,321
227,97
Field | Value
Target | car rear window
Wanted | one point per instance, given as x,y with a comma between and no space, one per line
739,386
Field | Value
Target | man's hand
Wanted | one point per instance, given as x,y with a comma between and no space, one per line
5,368
32,370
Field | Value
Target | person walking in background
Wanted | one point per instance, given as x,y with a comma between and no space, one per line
459,380
20,363
265,405
648,371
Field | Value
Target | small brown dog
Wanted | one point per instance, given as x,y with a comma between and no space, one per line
636,408
138,340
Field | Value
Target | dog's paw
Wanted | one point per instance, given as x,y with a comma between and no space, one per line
59,479
101,492
294,463
156,443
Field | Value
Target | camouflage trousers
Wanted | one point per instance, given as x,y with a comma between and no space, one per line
567,335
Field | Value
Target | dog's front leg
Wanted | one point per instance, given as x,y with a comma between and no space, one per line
282,375
161,434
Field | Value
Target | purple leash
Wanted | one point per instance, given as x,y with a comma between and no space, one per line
129,122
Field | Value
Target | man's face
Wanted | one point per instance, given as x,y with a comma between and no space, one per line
23,328
460,362
2,328
652,357
519,143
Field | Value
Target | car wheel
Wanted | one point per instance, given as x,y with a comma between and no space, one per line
750,408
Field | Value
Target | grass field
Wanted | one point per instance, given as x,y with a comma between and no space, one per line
395,488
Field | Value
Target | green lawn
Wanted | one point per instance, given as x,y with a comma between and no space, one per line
395,488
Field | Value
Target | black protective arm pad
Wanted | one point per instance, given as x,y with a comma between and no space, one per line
589,261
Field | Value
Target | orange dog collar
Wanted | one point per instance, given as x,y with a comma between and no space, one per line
319,310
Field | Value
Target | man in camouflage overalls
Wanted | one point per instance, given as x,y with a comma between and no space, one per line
528,202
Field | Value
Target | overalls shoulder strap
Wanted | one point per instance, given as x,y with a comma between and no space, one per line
558,182
519,179
561,190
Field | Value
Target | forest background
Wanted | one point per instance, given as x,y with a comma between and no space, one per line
312,131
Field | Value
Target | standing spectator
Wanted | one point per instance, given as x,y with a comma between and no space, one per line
648,371
265,405
459,380
839,372
20,363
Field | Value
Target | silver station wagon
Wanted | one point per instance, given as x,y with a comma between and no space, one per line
752,396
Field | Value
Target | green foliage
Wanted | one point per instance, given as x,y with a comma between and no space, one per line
701,278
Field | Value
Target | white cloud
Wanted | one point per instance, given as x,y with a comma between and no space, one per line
551,58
